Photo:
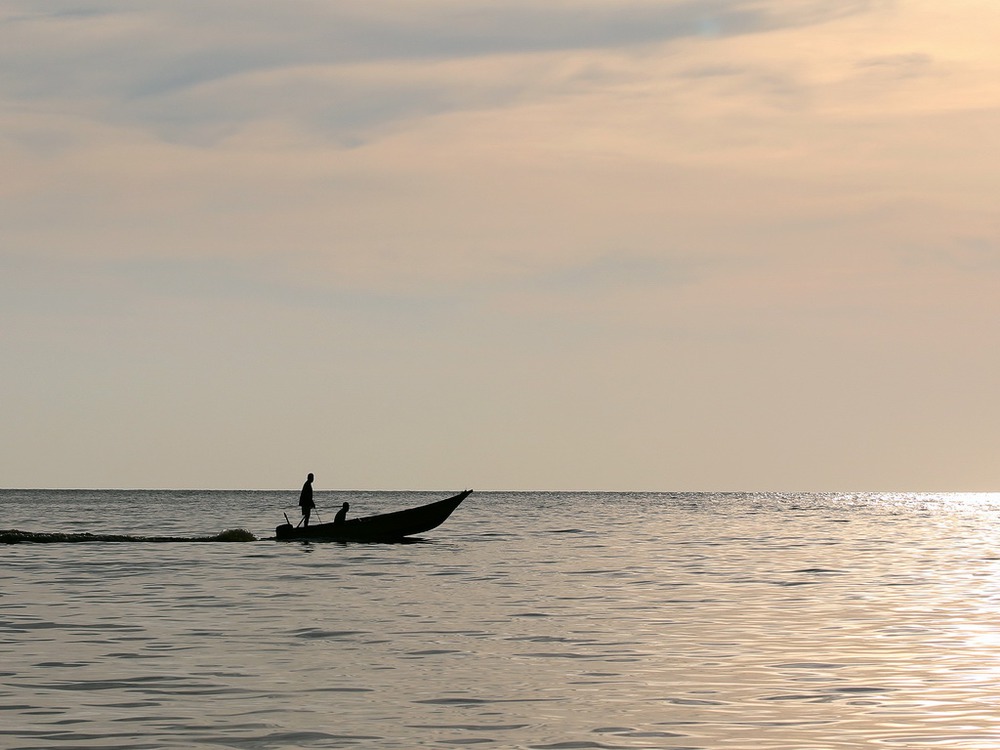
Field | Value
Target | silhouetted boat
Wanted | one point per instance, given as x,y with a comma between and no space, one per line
386,527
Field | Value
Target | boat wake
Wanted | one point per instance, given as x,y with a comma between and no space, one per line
15,536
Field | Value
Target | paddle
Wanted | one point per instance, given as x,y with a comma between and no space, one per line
302,519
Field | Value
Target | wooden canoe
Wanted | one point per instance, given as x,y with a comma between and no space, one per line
386,527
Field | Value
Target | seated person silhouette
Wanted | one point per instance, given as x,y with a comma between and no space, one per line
341,514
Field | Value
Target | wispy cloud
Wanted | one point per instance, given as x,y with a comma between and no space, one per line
199,70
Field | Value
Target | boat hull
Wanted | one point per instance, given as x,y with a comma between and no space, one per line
386,527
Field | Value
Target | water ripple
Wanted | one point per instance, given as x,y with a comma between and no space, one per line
684,621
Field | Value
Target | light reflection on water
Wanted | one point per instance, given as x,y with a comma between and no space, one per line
536,620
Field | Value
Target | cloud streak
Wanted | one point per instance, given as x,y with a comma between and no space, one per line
179,66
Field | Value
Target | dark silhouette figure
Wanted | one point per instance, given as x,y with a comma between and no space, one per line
341,514
306,500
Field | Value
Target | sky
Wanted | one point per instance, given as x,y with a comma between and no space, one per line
631,245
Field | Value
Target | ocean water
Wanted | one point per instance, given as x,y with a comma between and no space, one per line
528,620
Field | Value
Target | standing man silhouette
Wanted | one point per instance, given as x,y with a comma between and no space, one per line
306,500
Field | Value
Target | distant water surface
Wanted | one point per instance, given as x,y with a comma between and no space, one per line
529,620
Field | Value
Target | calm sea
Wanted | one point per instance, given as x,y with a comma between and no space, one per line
528,620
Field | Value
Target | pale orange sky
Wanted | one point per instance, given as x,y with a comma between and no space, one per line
719,245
